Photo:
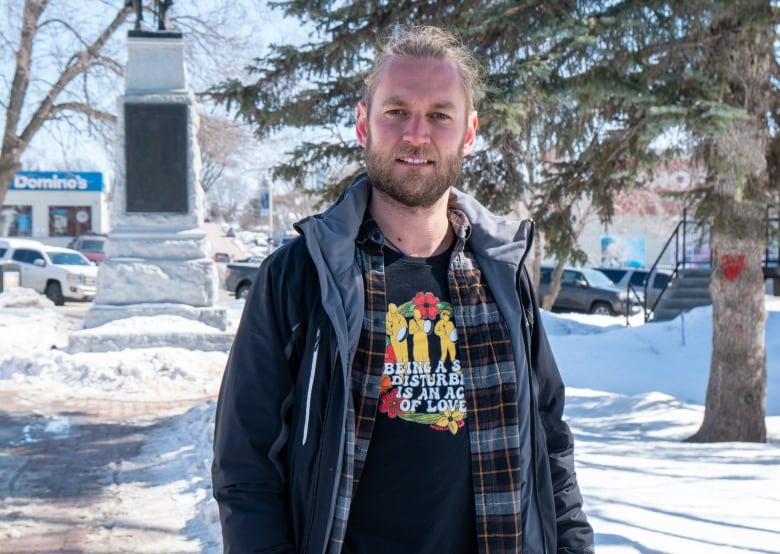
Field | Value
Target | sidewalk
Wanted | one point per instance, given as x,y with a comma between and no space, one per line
61,464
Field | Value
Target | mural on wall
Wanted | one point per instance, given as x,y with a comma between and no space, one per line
623,251
644,219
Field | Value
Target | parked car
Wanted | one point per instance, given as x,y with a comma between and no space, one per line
92,245
253,259
622,276
590,291
222,257
281,241
239,277
57,272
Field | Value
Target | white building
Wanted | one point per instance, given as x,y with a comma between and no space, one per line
55,206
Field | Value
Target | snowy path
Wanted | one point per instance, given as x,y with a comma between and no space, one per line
103,452
76,474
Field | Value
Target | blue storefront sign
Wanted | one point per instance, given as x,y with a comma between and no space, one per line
48,181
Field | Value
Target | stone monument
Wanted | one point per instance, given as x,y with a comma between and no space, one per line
158,257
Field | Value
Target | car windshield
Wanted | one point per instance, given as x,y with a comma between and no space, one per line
597,278
615,275
92,246
67,258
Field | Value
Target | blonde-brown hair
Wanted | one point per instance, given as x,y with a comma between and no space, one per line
422,42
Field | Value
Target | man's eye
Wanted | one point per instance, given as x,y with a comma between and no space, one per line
440,116
395,112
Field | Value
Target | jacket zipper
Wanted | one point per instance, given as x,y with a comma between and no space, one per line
316,480
312,374
534,463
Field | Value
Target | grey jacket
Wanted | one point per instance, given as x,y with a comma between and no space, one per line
279,431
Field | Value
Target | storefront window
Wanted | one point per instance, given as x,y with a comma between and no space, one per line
69,221
18,219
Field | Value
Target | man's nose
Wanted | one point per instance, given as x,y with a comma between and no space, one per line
417,130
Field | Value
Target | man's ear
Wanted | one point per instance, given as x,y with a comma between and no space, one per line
361,124
471,133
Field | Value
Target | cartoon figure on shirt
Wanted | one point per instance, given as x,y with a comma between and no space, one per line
420,328
445,330
397,330
426,387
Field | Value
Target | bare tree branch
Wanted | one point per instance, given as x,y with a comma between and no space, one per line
77,65
85,109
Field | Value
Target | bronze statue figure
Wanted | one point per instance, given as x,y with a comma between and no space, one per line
139,14
160,9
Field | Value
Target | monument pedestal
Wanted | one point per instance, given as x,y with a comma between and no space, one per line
159,262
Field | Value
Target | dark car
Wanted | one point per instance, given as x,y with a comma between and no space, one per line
589,291
239,277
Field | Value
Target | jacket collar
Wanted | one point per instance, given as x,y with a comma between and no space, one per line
489,236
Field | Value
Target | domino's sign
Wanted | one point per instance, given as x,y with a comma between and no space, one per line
58,181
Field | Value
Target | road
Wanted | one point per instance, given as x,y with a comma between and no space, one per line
74,310
221,243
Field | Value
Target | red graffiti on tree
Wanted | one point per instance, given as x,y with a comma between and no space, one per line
733,264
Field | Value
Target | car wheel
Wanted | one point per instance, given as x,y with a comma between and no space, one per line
601,308
54,293
242,292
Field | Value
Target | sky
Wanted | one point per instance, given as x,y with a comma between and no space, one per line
633,394
250,26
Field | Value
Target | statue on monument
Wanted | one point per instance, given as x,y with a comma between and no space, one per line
160,11
139,15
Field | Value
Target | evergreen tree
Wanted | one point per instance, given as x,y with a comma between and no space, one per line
580,97
704,70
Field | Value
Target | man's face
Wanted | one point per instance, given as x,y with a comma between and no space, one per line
416,131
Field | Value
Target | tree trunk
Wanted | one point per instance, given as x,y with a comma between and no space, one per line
736,393
555,286
9,165
735,406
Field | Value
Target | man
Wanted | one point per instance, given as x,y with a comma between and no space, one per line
342,426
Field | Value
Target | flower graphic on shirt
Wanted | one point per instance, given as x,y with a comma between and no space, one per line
427,304
451,420
389,351
384,384
391,405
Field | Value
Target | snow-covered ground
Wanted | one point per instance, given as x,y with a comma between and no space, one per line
633,394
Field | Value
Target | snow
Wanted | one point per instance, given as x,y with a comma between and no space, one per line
633,394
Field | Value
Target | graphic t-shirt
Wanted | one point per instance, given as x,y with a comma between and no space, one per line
415,493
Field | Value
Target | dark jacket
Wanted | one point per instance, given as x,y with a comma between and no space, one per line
279,432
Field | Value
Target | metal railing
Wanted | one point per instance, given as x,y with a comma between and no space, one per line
685,251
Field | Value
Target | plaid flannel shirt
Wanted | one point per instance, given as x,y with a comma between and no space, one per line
491,391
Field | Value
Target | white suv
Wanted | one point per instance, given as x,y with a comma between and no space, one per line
57,272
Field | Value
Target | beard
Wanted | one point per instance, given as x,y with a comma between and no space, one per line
416,188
